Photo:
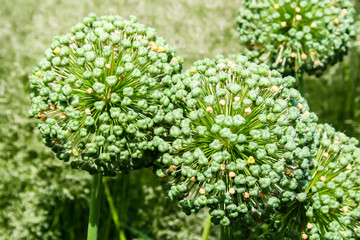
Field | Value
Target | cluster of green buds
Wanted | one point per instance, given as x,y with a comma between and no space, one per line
242,141
290,36
329,208
99,93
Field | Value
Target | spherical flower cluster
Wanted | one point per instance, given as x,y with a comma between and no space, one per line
99,92
290,36
243,139
329,208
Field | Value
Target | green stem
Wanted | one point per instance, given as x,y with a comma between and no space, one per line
301,83
94,207
207,228
225,233
113,211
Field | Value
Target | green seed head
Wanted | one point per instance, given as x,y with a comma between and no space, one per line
240,140
329,205
293,36
98,91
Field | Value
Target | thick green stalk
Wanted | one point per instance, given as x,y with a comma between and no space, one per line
225,233
207,228
94,207
300,83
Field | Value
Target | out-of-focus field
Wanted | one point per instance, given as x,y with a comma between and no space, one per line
40,197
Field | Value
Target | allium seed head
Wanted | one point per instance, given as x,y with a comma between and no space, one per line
324,27
102,89
238,156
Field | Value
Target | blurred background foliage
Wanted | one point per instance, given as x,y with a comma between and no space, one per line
41,198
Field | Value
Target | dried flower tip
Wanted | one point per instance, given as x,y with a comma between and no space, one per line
63,115
221,66
52,106
73,39
232,174
251,160
287,171
325,155
161,49
89,90
231,64
313,25
232,191
322,178
304,56
223,167
336,21
57,50
300,106
246,195
343,12
298,17
236,99
275,89
262,194
116,48
107,66
172,168
43,117
309,226
348,167
293,55
222,102
193,179
209,109
297,9
304,236
277,6
248,110
283,24
344,209
317,63
202,191
88,111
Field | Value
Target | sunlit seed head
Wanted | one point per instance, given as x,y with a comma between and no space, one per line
309,226
174,59
117,32
300,106
73,39
236,99
222,102
345,209
304,236
348,167
297,9
209,109
193,179
232,174
139,38
283,24
313,25
343,12
221,66
247,110
287,171
336,21
307,113
107,66
277,6
337,142
87,111
246,195
293,55
325,155
202,191
298,17
323,178
231,64
280,60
